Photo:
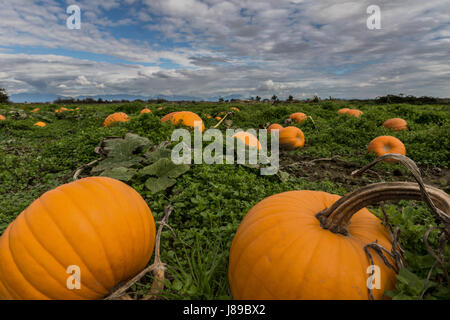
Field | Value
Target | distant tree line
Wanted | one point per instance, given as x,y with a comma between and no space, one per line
4,98
100,100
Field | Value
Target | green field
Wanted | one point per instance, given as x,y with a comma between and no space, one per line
210,200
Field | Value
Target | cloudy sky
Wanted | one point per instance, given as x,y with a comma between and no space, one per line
211,48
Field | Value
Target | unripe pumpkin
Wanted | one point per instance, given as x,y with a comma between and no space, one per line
116,117
396,124
298,117
386,144
98,224
291,138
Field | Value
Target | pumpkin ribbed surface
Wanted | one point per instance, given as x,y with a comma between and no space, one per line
99,224
298,117
116,117
280,251
396,124
292,138
274,126
185,118
386,144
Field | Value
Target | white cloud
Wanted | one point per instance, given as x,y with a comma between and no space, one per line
237,46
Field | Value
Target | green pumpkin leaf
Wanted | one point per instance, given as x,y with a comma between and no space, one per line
120,173
165,168
155,185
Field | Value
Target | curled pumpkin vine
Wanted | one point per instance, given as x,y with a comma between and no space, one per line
158,268
440,211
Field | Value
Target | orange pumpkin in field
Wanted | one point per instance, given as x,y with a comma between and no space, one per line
116,117
99,227
298,117
2,117
168,116
311,245
35,110
291,138
354,113
235,109
386,144
274,126
396,124
219,118
281,251
248,139
185,118
343,110
145,110
40,124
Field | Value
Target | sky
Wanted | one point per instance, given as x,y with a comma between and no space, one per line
208,49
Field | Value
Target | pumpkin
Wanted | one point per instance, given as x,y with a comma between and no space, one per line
343,110
235,109
219,118
310,244
208,116
274,126
248,139
35,110
354,113
145,110
116,117
386,144
168,116
298,117
2,117
99,224
40,124
291,138
396,124
185,118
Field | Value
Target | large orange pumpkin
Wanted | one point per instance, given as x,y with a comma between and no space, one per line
274,126
116,117
386,144
396,124
248,139
168,116
354,113
298,117
235,109
98,224
2,117
292,138
185,118
309,245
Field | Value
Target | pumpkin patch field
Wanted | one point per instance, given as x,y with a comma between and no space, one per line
224,231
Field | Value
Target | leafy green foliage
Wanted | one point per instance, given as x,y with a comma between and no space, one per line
210,201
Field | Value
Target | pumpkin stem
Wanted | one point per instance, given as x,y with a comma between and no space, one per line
337,217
